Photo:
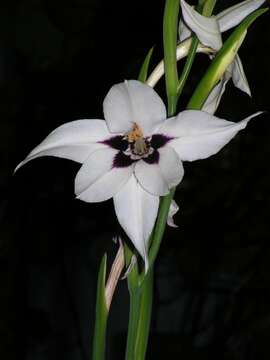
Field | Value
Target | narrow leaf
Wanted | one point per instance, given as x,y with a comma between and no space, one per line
101,314
144,69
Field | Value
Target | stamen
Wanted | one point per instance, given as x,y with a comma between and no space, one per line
135,134
139,146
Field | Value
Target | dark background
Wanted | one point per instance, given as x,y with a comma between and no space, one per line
58,59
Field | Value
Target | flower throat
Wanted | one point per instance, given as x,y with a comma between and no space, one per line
139,145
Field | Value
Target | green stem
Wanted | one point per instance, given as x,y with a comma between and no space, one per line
188,65
160,226
134,305
207,7
141,295
170,25
134,311
144,321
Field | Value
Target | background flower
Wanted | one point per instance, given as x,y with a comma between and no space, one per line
209,30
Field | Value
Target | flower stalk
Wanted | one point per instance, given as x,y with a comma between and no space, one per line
141,295
170,25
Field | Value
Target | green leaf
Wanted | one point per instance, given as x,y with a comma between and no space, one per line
101,313
144,69
221,61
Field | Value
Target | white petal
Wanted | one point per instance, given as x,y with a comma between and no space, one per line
235,14
151,178
97,180
172,211
199,134
239,77
211,104
133,102
136,211
74,141
183,30
159,178
206,28
171,166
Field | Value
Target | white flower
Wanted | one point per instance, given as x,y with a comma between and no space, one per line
135,155
208,31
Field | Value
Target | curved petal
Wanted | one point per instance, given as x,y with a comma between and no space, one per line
159,177
151,178
183,31
133,102
239,77
206,28
136,211
97,180
172,211
211,104
235,14
74,141
199,134
171,166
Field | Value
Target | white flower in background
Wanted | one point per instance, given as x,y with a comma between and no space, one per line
135,155
208,31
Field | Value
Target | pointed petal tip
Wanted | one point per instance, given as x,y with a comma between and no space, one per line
17,167
172,211
233,15
136,211
201,135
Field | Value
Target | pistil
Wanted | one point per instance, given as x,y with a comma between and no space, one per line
139,146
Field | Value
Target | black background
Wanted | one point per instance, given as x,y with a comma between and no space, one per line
58,59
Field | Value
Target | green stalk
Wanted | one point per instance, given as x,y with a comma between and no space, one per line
207,7
170,25
144,321
134,305
188,65
165,203
134,311
141,295
99,341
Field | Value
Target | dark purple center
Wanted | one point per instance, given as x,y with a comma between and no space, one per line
127,153
117,142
